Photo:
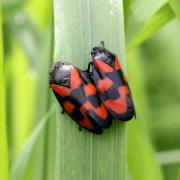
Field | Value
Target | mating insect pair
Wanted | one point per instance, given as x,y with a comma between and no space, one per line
93,99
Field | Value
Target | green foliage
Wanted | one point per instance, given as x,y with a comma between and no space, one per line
140,152
159,19
4,164
175,5
28,52
24,156
127,10
139,146
178,176
41,144
164,117
139,13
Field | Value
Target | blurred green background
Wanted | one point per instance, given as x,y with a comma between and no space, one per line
28,112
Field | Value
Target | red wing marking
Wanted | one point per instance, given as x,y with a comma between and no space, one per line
105,68
117,64
61,90
68,106
86,121
89,89
119,105
99,111
75,79
123,90
104,84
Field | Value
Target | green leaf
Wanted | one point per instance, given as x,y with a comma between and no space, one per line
4,164
127,10
169,157
139,13
140,152
20,164
41,32
175,5
20,87
80,25
157,21
142,162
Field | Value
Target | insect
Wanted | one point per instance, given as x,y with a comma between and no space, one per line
111,84
77,94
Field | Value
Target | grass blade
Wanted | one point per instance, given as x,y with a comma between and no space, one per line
80,25
9,7
20,164
127,10
142,162
4,169
175,5
139,13
22,98
164,15
169,157
41,13
141,151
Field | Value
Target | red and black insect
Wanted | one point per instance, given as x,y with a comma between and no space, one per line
77,94
111,84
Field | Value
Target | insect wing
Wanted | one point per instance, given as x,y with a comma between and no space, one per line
112,85
77,95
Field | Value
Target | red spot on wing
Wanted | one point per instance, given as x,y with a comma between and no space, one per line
89,89
105,68
68,106
61,90
75,79
99,111
117,64
119,105
123,90
104,84
85,122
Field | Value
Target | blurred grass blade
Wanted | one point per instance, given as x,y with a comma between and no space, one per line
142,163
4,169
19,166
40,14
175,5
80,25
27,35
169,157
127,10
21,96
164,15
139,13
141,152
9,7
